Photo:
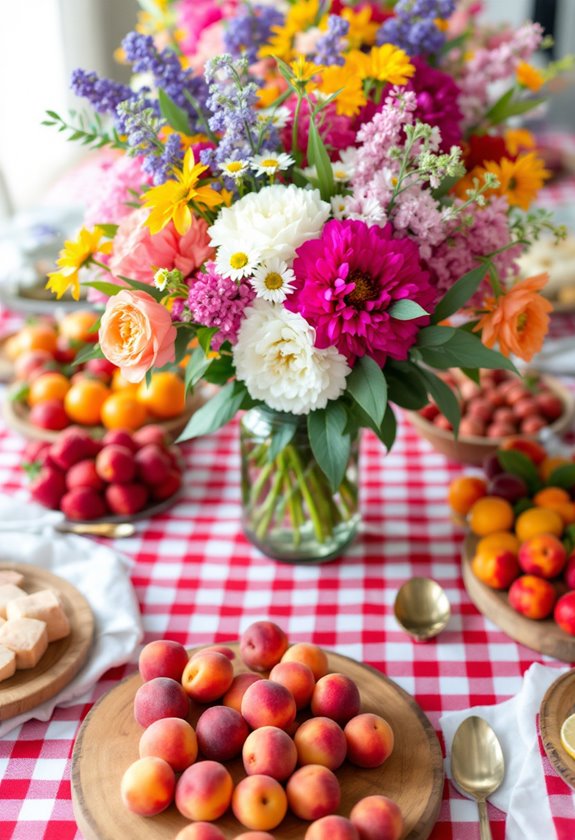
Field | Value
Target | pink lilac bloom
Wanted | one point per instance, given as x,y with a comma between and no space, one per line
464,246
437,102
347,280
335,129
110,204
216,301
138,254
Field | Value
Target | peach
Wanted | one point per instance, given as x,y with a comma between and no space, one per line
31,364
267,703
530,448
369,740
564,613
120,437
101,367
83,503
377,818
308,654
321,740
73,445
332,827
569,572
204,791
500,539
158,698
172,739
48,487
255,835
495,567
83,474
532,596
151,433
296,677
337,697
550,405
116,464
49,414
259,802
543,555
225,651
162,658
269,751
152,463
200,831
262,645
126,499
313,792
531,425
234,694
221,733
168,487
207,677
147,786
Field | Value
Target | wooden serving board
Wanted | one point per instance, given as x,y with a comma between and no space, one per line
544,635
557,704
108,743
63,658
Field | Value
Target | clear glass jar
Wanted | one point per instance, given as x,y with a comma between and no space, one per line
289,510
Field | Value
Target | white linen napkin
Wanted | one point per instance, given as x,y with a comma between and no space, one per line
557,356
98,572
523,794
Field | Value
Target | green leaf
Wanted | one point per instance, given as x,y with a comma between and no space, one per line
197,365
407,310
204,336
143,287
220,371
446,184
367,385
214,414
281,436
458,295
563,476
318,157
498,108
388,428
434,336
20,392
520,465
465,350
175,116
90,351
181,344
444,397
329,441
405,385
108,230
505,107
472,374
103,286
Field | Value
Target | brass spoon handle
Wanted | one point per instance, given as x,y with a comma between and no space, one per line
484,827
98,529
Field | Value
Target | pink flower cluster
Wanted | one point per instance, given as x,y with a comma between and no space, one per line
216,301
121,179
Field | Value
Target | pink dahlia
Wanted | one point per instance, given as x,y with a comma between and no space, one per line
437,102
347,281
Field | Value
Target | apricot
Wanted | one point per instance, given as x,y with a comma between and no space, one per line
267,703
221,733
464,491
308,654
158,698
200,831
332,827
234,694
320,740
557,499
543,555
204,791
262,645
564,613
313,792
336,696
500,539
255,835
377,818
490,514
532,596
269,751
495,567
162,658
297,678
369,740
538,520
259,802
147,786
207,677
223,649
172,739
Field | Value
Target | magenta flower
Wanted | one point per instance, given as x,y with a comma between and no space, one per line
347,281
437,102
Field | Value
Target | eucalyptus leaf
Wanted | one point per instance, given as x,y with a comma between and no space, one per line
330,444
388,429
204,336
90,351
220,371
175,116
197,365
444,398
434,336
405,385
109,289
150,290
407,310
368,387
458,295
215,413
465,350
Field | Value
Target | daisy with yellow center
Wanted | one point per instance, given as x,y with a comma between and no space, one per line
278,117
304,72
235,169
519,180
529,77
269,163
273,280
390,64
235,262
171,201
76,254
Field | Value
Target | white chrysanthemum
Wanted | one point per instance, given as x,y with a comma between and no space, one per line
275,356
278,117
234,168
273,281
349,157
339,206
274,221
270,163
236,263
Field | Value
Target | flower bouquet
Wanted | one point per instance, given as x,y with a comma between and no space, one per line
297,219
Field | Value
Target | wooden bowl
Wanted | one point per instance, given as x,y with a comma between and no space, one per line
473,449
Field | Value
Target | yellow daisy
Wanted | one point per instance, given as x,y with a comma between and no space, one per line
347,80
519,180
518,139
390,64
362,30
529,76
171,201
300,17
75,255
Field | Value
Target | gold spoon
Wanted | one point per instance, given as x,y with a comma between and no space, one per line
477,765
113,530
422,608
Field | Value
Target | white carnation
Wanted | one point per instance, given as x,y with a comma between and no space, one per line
276,358
274,221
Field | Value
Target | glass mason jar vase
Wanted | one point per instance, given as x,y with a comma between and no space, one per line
289,509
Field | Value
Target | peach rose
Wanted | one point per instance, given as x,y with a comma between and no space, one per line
136,334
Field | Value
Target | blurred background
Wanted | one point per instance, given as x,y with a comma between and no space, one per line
42,41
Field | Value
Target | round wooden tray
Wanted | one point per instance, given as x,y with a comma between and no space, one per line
108,742
544,636
63,658
557,704
6,364
16,418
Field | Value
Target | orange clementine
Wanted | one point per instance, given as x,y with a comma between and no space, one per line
120,384
165,396
84,401
500,539
490,514
549,465
48,386
558,499
77,326
37,337
538,520
122,410
464,492
12,347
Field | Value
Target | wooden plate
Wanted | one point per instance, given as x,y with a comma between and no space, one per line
108,742
63,658
557,704
6,364
543,635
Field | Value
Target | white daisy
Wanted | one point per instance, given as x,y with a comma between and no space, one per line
341,173
273,280
269,163
161,278
278,117
236,263
234,168
339,206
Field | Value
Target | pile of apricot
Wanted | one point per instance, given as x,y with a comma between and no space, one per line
523,512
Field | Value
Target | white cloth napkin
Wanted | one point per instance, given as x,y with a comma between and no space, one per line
99,573
557,356
523,794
